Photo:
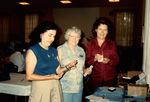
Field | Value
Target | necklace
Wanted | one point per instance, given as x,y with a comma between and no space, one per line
48,55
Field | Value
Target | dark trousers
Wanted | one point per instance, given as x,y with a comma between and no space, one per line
94,84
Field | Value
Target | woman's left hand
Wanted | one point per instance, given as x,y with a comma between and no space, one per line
56,76
106,60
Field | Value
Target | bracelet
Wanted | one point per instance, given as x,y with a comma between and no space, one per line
67,68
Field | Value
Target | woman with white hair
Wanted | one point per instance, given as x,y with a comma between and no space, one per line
72,81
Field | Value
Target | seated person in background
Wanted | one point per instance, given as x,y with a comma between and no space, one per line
83,41
17,58
2,54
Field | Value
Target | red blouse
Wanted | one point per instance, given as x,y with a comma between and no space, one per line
101,70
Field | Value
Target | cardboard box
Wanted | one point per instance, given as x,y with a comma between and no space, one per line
137,90
133,73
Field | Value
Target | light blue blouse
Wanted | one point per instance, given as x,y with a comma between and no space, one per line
72,81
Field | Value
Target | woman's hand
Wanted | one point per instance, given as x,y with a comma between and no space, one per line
56,76
106,60
98,58
71,65
88,71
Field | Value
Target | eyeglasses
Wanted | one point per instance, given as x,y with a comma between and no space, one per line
74,36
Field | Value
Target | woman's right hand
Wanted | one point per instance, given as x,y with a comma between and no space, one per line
71,65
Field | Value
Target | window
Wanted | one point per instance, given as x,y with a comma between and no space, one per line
127,39
124,23
4,28
31,21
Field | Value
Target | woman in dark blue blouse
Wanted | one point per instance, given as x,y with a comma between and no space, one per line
42,65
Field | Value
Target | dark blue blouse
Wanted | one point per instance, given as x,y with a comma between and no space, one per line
47,62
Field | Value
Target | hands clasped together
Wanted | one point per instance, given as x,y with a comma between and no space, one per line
70,66
100,58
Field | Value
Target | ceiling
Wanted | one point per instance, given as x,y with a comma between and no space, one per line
36,4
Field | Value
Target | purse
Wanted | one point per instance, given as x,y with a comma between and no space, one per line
6,69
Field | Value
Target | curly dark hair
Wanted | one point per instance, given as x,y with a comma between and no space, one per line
41,28
101,20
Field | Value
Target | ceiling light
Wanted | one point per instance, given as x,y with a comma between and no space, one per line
65,1
114,0
23,3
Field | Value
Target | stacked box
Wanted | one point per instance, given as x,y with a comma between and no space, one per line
137,90
130,98
133,73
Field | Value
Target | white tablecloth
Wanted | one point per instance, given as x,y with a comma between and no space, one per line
17,85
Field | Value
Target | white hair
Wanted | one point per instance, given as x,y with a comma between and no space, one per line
72,29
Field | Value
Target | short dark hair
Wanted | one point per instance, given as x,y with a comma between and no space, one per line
41,28
101,20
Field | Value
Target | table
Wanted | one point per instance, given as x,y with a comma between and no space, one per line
17,85
119,95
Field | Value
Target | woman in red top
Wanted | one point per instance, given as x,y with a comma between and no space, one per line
101,52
